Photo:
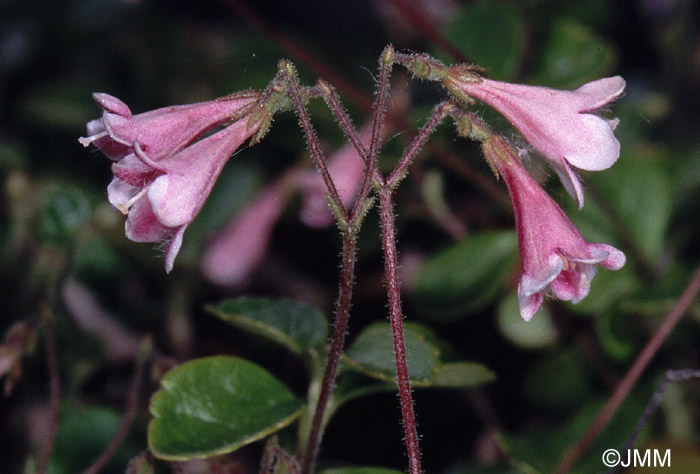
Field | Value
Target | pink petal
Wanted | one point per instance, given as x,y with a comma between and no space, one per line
174,248
111,104
119,192
132,171
602,92
574,283
615,259
179,195
570,180
142,225
529,304
595,148
166,131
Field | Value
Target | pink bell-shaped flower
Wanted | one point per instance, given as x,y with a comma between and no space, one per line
163,174
559,124
552,250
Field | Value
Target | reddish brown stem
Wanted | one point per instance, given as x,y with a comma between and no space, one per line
340,328
310,134
351,226
396,317
359,98
439,113
640,364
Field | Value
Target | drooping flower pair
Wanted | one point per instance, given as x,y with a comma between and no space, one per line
560,126
164,170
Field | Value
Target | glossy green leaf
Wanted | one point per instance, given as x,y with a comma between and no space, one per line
354,384
372,354
573,55
215,405
294,324
466,276
491,34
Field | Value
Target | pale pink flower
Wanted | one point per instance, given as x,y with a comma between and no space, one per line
552,250
346,168
558,124
235,252
162,173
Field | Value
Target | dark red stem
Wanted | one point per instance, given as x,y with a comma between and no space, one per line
340,327
396,318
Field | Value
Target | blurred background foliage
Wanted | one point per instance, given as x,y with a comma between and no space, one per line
62,246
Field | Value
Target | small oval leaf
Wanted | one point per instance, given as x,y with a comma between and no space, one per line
294,324
215,405
373,353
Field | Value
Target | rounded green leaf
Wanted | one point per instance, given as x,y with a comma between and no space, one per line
466,276
214,406
294,324
373,353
